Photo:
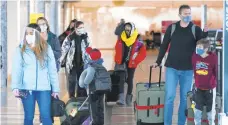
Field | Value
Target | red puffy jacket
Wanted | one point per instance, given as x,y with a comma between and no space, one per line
138,47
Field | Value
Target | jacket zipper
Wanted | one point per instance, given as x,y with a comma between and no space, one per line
36,74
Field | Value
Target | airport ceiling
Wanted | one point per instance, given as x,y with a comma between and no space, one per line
146,3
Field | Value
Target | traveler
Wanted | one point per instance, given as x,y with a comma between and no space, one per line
73,54
205,69
69,30
179,62
34,75
130,51
51,39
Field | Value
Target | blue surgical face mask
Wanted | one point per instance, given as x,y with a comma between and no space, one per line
200,51
187,19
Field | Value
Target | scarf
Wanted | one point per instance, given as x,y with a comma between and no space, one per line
129,41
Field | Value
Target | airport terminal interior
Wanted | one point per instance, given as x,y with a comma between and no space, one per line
100,17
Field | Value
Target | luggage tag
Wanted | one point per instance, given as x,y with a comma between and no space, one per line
73,112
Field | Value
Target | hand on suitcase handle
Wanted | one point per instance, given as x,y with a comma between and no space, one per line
152,66
155,65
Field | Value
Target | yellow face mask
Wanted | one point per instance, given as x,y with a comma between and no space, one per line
129,41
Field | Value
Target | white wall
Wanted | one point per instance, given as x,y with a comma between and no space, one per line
17,20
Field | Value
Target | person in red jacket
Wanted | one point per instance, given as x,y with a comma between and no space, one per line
130,51
205,72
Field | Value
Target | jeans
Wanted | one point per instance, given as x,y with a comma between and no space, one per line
43,99
173,76
210,115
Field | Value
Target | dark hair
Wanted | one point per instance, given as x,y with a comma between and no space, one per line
42,18
183,7
205,42
72,21
78,23
34,26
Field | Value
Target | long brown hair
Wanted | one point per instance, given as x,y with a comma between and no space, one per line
40,48
43,18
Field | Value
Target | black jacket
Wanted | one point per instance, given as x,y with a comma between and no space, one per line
182,46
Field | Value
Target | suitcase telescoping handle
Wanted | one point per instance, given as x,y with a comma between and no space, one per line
159,83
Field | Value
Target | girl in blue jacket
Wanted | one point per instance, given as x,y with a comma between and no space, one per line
34,75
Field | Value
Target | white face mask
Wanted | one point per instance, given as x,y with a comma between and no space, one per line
80,31
43,28
30,39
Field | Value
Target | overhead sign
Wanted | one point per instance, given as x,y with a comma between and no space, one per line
35,16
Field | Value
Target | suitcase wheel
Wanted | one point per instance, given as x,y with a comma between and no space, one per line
139,122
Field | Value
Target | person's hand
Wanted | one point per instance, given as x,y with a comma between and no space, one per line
154,65
206,27
16,92
55,95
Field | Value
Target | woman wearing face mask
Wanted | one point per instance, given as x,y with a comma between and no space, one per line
73,51
51,39
34,75
69,30
130,51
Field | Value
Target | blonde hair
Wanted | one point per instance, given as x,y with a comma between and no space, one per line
41,46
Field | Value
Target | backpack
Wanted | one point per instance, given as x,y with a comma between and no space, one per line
193,29
102,80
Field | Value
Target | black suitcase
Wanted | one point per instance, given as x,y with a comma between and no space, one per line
113,95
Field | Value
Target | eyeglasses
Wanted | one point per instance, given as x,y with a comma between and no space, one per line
43,24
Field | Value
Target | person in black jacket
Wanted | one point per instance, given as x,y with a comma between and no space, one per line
74,57
69,30
179,67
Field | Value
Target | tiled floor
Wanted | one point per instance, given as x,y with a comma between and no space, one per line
12,110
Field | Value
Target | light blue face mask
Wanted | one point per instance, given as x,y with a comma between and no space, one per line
187,19
199,51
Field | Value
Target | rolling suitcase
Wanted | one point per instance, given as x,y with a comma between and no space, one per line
81,104
113,95
149,104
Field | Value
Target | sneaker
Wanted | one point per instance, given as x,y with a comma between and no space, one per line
121,100
129,100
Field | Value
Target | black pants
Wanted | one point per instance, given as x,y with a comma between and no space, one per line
203,98
97,108
72,79
130,77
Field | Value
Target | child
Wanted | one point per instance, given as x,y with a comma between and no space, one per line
97,81
205,72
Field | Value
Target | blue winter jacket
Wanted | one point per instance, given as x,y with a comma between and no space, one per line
53,41
27,73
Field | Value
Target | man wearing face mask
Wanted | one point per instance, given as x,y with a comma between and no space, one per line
130,51
73,52
178,64
51,39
